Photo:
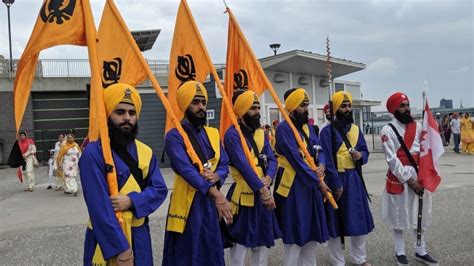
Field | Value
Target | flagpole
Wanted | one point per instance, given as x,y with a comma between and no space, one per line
333,139
422,191
97,95
285,115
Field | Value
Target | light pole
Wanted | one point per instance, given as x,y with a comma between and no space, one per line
274,47
9,3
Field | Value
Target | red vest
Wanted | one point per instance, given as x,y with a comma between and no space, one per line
393,186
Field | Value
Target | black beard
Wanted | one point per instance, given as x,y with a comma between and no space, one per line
252,122
300,118
120,138
404,118
345,118
195,120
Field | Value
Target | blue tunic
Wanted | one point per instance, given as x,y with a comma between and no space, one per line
301,215
201,241
252,226
106,229
357,217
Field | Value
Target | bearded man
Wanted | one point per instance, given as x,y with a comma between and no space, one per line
298,189
346,151
142,188
193,235
401,145
255,227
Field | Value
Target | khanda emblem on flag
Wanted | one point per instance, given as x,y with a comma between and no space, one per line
241,80
185,70
111,72
57,11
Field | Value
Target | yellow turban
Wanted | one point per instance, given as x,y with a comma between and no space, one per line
187,92
295,98
121,93
244,101
338,98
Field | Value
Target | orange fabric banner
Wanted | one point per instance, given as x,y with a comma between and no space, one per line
54,26
187,59
243,71
112,30
69,23
242,68
116,50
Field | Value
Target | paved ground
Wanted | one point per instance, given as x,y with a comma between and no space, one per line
47,228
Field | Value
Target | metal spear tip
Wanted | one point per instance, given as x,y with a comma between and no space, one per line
8,3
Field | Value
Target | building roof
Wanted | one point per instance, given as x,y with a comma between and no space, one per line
145,38
360,102
308,63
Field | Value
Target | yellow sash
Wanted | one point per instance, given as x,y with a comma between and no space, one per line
243,194
289,172
183,193
344,158
144,157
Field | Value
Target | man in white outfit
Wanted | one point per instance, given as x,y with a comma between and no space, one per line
400,197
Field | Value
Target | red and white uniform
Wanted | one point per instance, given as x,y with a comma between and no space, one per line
400,203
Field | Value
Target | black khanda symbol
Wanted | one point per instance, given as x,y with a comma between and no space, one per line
111,72
185,70
241,81
57,11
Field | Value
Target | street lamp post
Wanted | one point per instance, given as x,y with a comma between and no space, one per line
9,3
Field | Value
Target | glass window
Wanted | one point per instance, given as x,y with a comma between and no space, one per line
274,115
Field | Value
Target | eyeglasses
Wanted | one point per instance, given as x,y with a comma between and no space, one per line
304,104
345,105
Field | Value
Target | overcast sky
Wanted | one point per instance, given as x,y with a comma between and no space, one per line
401,42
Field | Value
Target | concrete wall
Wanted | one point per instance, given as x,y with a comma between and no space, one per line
7,124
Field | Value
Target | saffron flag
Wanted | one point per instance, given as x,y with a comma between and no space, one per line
188,59
431,150
126,63
243,71
242,68
117,50
58,23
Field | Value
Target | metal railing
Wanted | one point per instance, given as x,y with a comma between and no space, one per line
74,68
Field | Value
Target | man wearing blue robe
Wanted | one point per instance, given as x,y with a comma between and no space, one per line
355,218
298,189
255,227
193,235
141,187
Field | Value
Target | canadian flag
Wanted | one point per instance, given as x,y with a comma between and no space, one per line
430,151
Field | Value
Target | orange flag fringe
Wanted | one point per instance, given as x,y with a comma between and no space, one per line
189,60
129,59
243,71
